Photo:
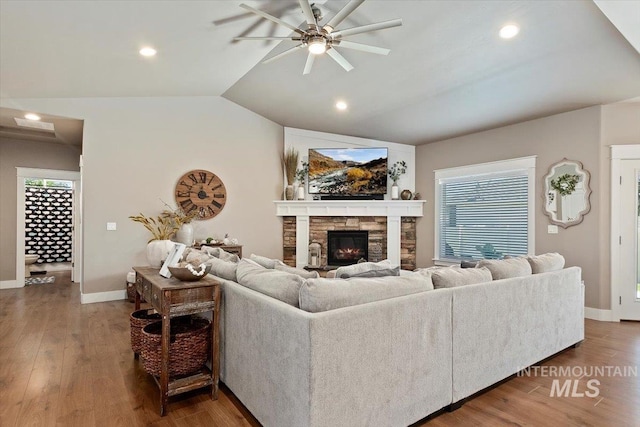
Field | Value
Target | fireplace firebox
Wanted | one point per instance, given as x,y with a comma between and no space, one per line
347,247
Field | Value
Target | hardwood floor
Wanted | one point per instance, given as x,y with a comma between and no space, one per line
67,364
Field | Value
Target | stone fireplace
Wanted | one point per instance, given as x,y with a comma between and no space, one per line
391,227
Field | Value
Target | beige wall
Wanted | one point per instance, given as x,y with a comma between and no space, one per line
574,135
134,151
28,154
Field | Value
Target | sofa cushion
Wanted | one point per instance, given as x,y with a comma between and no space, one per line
276,284
506,268
368,269
544,263
220,253
328,294
305,274
264,261
224,269
455,276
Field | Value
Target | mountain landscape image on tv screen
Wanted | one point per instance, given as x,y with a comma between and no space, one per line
350,171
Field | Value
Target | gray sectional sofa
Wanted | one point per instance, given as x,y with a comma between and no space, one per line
393,361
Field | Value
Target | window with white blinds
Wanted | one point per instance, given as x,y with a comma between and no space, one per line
485,211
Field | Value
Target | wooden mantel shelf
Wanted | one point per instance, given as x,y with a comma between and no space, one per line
388,208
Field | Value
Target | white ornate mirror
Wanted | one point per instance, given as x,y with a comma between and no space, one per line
566,196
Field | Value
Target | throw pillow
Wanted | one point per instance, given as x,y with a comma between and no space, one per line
264,261
468,264
544,263
276,284
454,276
220,253
328,294
224,269
305,274
506,268
368,269
196,257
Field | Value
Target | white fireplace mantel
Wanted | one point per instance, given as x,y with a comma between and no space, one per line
394,210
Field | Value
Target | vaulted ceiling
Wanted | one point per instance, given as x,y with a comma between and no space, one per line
448,72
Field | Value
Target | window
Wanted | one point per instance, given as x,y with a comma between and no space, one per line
485,210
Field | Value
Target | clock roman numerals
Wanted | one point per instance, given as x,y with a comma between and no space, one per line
200,191
187,205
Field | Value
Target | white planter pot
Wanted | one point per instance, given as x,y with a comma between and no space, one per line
157,251
185,234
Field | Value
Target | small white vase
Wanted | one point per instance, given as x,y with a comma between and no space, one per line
301,192
185,234
394,192
157,251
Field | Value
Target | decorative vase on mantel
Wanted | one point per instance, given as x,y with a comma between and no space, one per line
185,234
395,191
288,192
300,192
157,251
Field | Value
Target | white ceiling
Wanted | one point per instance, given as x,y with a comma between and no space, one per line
447,74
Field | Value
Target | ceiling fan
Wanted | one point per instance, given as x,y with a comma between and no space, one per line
319,39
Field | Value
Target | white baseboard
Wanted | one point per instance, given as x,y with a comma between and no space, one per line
9,284
103,296
598,314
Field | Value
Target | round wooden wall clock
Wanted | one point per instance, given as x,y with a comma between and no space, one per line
202,191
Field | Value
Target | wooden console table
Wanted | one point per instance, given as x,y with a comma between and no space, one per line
173,298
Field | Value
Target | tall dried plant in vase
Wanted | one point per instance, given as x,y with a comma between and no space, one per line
290,165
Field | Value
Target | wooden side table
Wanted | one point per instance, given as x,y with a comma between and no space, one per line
173,298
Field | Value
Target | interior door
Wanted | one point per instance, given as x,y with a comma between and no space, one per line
629,298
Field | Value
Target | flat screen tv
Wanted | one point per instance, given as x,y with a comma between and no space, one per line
348,171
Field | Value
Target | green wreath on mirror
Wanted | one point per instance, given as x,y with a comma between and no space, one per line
565,184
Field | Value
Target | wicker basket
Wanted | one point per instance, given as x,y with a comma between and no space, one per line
188,348
139,319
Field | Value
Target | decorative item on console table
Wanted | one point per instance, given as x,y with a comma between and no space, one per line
395,172
290,164
162,228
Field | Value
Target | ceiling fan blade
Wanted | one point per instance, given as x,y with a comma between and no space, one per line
366,28
266,38
362,47
309,63
285,53
272,18
308,13
340,16
340,59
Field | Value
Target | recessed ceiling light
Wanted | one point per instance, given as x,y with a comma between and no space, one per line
147,51
341,105
31,116
509,31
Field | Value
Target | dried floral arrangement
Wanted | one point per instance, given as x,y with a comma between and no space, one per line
290,164
165,225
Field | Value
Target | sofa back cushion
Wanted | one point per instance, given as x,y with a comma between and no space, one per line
276,284
544,263
506,268
225,269
305,274
263,261
368,269
220,253
454,276
328,294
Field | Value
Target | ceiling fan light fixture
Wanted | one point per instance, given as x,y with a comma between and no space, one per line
317,45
